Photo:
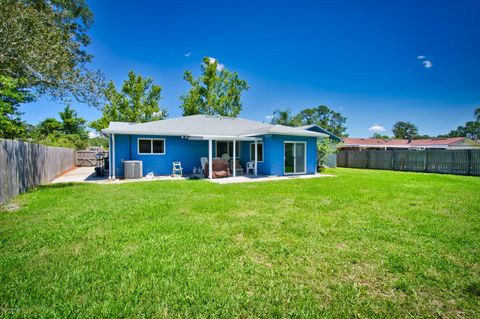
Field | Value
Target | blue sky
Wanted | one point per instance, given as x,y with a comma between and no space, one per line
360,58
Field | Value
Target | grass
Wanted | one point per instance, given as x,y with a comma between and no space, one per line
362,244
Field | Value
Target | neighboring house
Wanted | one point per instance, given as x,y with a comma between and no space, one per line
281,150
452,143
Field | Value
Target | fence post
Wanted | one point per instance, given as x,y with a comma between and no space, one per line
469,160
426,160
393,160
368,156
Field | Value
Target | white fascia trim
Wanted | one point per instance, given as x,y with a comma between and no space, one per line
308,134
191,136
223,137
142,133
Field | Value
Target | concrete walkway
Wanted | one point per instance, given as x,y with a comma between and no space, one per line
87,175
79,174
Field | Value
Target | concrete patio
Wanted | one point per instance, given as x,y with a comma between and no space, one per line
87,175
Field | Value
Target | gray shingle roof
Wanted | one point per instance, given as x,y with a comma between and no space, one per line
205,126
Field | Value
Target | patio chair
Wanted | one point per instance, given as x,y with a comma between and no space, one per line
251,166
220,168
203,162
177,169
238,166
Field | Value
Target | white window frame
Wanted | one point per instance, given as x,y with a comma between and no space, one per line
294,157
151,145
239,148
250,151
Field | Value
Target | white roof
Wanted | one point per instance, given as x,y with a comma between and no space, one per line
207,126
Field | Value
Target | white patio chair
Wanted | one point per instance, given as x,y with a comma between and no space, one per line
177,169
250,166
203,162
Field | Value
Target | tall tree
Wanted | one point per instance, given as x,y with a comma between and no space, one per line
283,117
44,43
12,93
471,129
137,101
404,130
69,132
71,122
49,126
324,117
216,92
477,114
321,115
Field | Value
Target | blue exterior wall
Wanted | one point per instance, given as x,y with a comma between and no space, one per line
176,149
189,153
275,153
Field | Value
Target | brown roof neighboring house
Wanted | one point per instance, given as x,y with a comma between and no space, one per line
440,143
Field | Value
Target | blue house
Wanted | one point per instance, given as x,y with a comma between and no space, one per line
270,149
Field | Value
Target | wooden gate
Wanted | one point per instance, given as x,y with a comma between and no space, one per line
88,157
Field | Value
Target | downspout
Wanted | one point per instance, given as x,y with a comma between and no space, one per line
110,156
130,147
113,157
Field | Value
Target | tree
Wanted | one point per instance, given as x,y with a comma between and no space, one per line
380,136
471,130
44,43
325,147
324,117
12,93
477,114
321,115
49,126
137,102
216,92
72,123
69,132
404,130
283,117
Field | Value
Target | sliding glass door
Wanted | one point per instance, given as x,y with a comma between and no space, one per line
295,157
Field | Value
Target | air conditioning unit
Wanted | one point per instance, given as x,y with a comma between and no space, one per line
133,169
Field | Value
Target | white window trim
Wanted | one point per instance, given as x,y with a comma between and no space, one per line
151,145
294,161
250,151
228,149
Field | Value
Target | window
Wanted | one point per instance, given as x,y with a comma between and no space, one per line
151,146
259,152
224,147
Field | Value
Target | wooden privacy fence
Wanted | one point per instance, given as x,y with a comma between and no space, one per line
460,162
26,165
88,157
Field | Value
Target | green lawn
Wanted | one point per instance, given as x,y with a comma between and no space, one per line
362,244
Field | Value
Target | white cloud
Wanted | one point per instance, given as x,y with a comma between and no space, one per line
93,134
376,128
159,113
421,57
269,117
427,64
220,66
188,54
